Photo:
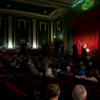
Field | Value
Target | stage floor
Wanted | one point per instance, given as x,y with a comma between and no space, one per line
88,57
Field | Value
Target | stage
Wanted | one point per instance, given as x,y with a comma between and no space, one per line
87,57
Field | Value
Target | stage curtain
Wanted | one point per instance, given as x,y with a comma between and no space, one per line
88,32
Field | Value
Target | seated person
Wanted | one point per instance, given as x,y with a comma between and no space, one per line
19,70
46,66
57,69
49,73
79,93
53,92
96,73
33,69
89,75
81,71
67,72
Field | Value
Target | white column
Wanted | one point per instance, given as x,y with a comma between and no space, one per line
51,31
10,32
34,33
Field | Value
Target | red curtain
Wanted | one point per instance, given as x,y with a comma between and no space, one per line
88,32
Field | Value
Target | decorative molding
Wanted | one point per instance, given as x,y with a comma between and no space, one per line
38,32
34,20
24,24
24,27
37,15
58,28
10,17
60,2
44,24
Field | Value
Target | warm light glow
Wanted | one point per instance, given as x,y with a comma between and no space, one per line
10,45
34,46
87,50
54,36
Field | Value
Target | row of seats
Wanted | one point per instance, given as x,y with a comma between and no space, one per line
66,87
8,90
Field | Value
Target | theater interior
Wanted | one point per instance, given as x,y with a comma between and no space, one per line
49,42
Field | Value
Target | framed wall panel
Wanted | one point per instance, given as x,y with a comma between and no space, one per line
42,33
3,32
22,30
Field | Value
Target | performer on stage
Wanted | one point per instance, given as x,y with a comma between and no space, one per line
84,46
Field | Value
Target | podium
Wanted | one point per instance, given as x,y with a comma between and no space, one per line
51,49
23,49
45,50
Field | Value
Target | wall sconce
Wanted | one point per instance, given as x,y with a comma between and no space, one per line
54,36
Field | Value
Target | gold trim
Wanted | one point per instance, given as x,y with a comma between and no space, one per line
29,14
15,32
57,3
58,28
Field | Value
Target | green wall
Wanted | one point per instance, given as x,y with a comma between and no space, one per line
42,34
21,33
2,32
59,33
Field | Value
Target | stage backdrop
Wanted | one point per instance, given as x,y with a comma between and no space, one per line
88,32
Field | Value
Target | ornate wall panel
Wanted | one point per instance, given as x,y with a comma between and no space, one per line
3,32
22,30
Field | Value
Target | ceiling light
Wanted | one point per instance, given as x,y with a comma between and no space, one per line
8,5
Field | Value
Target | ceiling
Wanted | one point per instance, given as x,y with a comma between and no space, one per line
44,9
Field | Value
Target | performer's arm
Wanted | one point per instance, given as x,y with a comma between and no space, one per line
80,43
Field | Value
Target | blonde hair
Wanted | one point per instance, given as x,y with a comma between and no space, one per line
49,71
52,90
32,65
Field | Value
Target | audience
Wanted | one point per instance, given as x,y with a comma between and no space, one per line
21,64
79,93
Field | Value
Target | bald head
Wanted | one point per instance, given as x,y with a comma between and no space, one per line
79,93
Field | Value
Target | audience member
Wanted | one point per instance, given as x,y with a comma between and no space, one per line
33,69
96,73
57,69
53,92
49,73
46,66
79,93
89,75
81,71
67,72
